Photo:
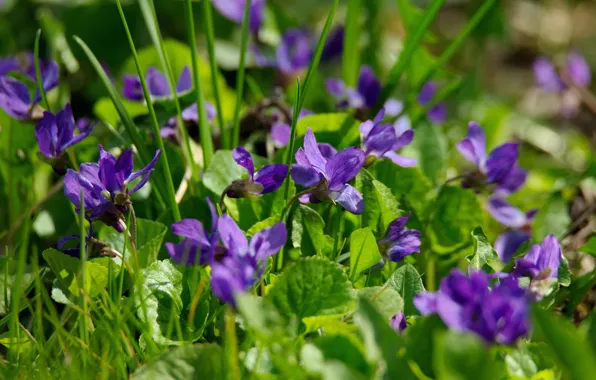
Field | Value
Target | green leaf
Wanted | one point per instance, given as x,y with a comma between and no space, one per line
222,171
564,274
8,283
150,236
431,146
312,286
520,364
337,129
262,317
484,257
67,270
569,346
381,342
364,252
307,232
407,282
387,301
343,349
381,206
589,247
464,356
552,218
199,361
259,226
454,214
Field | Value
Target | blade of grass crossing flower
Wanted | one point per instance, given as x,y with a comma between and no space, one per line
171,191
458,42
410,47
42,91
351,55
204,130
240,75
317,56
148,11
208,27
129,125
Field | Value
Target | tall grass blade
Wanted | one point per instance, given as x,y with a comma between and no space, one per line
42,90
240,75
351,55
171,191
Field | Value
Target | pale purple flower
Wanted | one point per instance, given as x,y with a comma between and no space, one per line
157,85
244,262
266,180
541,260
498,314
520,225
364,96
281,131
233,10
294,52
398,322
199,246
189,115
382,140
55,133
437,113
500,168
328,173
399,242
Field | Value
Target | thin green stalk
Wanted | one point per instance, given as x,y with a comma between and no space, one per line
412,43
290,153
204,130
208,28
231,344
148,11
457,43
129,125
317,56
42,91
171,191
351,54
240,75
83,324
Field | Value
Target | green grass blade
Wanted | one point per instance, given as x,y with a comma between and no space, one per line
204,130
458,42
410,47
240,75
208,28
83,323
171,191
148,11
350,64
129,125
317,56
42,90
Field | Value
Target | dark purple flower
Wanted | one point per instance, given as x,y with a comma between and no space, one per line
500,167
105,186
189,115
365,96
233,10
244,262
520,223
437,113
281,130
382,140
334,46
399,243
398,322
55,133
329,176
467,303
542,260
157,85
197,240
294,51
268,179
15,98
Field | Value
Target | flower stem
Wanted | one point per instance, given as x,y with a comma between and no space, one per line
231,342
240,74
42,90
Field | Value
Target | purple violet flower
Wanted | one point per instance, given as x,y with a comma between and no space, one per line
266,180
55,133
541,261
105,186
438,113
334,46
244,263
399,243
281,131
157,84
365,96
233,10
499,168
328,173
398,322
520,223
294,52
197,240
382,140
499,314
189,115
